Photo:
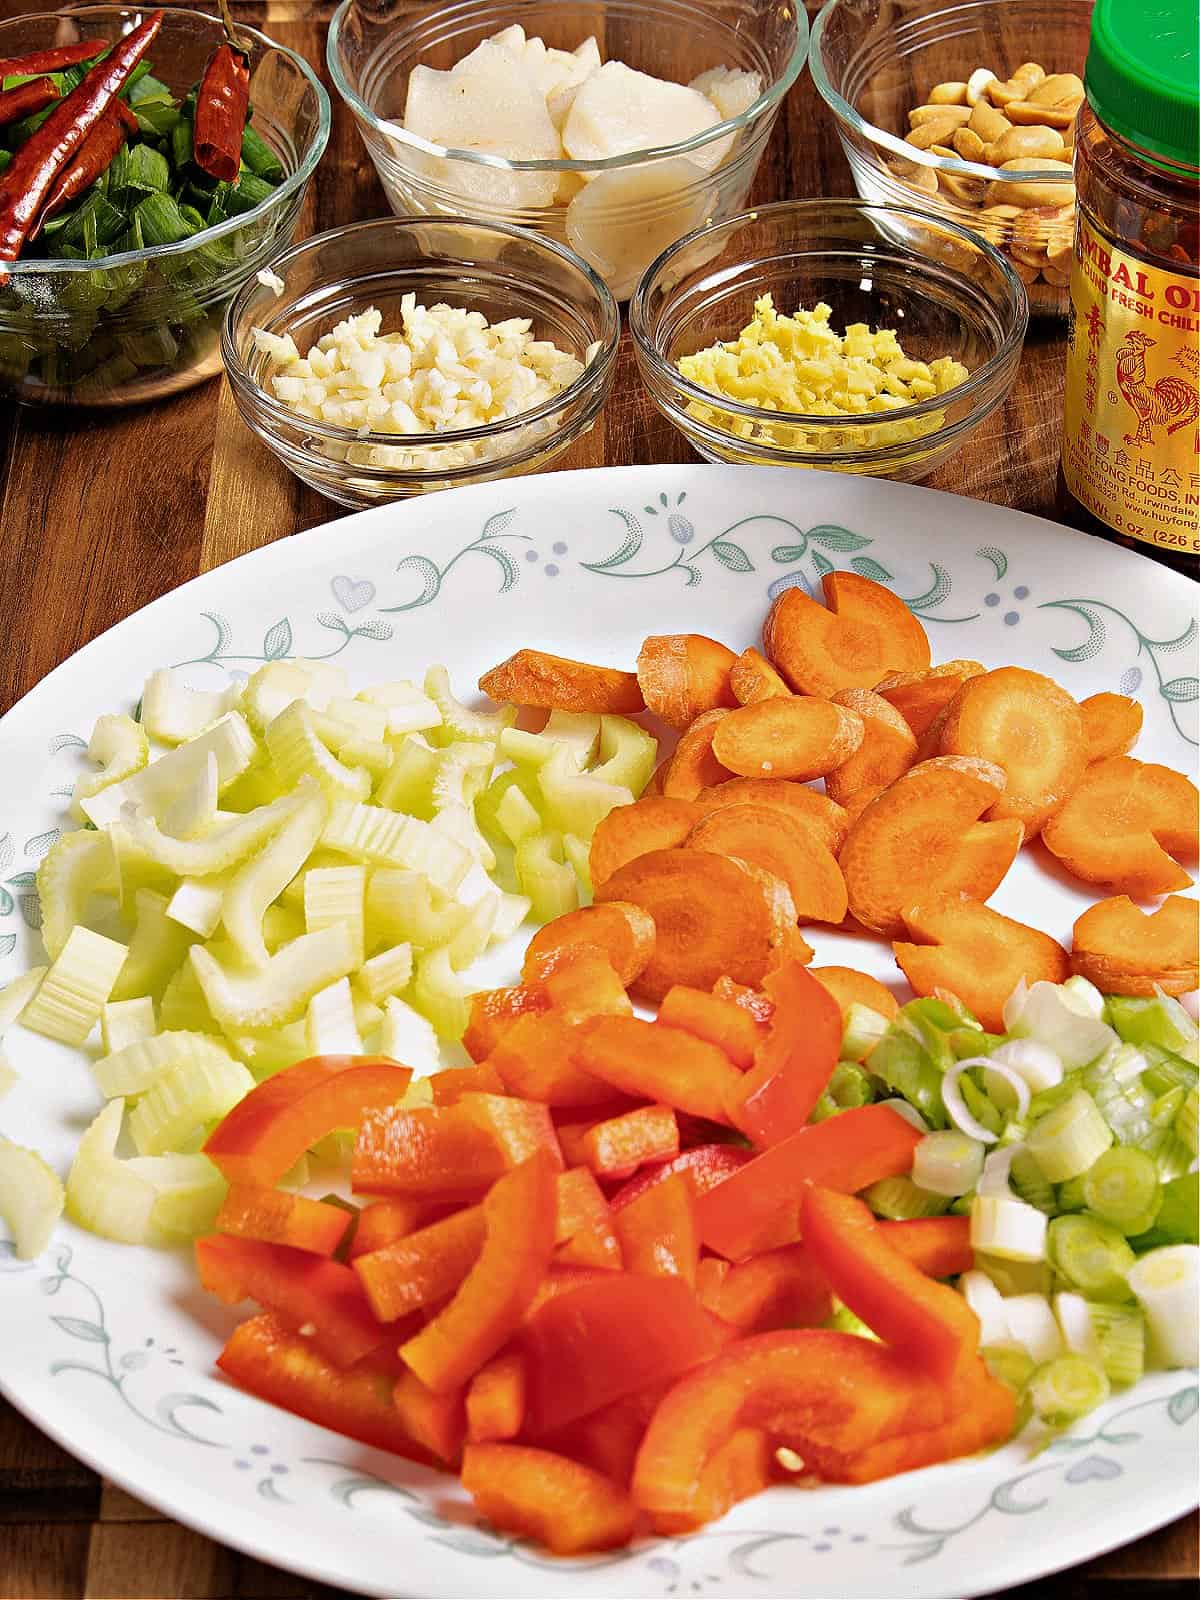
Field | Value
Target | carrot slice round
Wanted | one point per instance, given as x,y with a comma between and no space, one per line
851,988
683,674
655,822
824,816
782,844
976,954
625,934
920,697
862,633
1111,725
1124,824
888,749
534,678
801,737
693,766
1125,950
753,678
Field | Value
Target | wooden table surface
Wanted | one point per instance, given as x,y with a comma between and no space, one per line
100,515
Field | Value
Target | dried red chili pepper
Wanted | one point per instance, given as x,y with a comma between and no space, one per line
94,157
52,60
25,99
221,105
42,159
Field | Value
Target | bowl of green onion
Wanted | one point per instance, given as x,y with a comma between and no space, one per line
192,148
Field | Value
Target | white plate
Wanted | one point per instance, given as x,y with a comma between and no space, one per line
110,1350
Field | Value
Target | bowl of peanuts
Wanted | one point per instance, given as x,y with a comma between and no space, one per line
968,110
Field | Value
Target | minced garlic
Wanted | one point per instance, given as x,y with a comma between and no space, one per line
800,364
446,369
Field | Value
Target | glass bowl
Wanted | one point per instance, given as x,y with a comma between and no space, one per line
487,267
944,290
873,61
122,329
618,213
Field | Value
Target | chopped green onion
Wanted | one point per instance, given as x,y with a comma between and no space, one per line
986,1301
1178,1219
848,1087
907,1067
1122,1187
1016,1277
1161,1021
259,157
1030,1183
947,1163
1091,1255
1006,1227
147,170
1036,1063
1115,1082
1167,1284
900,1200
1067,1388
161,220
1032,1326
1009,1364
1120,1333
1059,1018
1068,1139
863,1029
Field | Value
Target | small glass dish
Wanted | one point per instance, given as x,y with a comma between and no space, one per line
873,61
617,213
122,329
499,271
944,290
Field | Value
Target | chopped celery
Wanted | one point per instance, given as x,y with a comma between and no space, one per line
138,1066
1048,1099
947,1163
156,948
197,905
458,722
1070,1138
337,895
439,994
268,1050
125,1022
1167,1285
900,1200
405,906
383,838
226,845
363,720
298,752
1067,1388
409,1038
457,822
578,852
1091,1255
1059,1018
15,996
279,991
31,1199
79,983
194,810
1120,1334
149,1200
577,802
1122,1187
77,866
387,973
120,748
848,1086
407,786
1160,1021
259,881
183,1007
331,1027
174,713
517,818
1178,1219
158,785
184,1099
475,935
862,1030
580,730
276,685
1126,1103
464,771
409,710
627,755
544,876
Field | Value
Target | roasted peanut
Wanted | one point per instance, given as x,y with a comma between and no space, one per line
1024,142
1008,187
1059,277
1026,274
988,123
977,84
1029,114
924,180
966,191
953,116
1059,89
968,145
1019,87
930,133
948,94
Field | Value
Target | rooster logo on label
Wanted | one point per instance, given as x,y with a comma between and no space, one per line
1172,399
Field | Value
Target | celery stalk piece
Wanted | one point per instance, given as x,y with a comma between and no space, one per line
225,846
409,1038
578,729
439,994
369,722
255,787
628,754
195,809
279,991
408,709
158,785
458,822
368,756
577,852
862,1031
1167,1285
1161,1021
73,993
138,1066
458,721
337,895
843,1320
332,1030
1067,1388
183,1100
405,906
382,838
901,1200
531,750
1056,1017
510,914
31,1198
120,748
1032,1326
849,1086
261,880
269,1050
518,819
475,935
407,786
156,948
298,752
947,1163
188,1191
368,1017
77,866
197,904
1091,1255
136,870
464,771
15,996
175,713
8,1077
1122,1187
1006,1227
545,877
182,1006
276,685
1070,1138
125,1022
387,973
154,1200
577,802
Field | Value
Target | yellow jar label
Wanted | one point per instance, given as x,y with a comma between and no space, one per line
1131,451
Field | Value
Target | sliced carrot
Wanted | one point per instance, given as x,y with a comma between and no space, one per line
694,767
681,890
625,933
652,823
493,1011
781,844
888,748
651,1062
753,678
1029,726
655,786
533,678
565,1506
1125,950
920,697
976,954
538,1058
741,1467
1124,823
722,1022
919,838
862,633
850,988
857,803
827,819
800,738
683,674
1111,725
496,1399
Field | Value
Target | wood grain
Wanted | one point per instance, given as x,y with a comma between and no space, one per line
101,514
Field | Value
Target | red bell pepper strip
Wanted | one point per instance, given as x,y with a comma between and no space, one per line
611,1338
759,1207
651,1062
51,60
792,1065
424,1268
253,1211
520,1128
938,1246
266,1133
538,1057
657,1231
580,982
926,1321
550,1498
493,1298
438,1422
94,157
493,1011
448,1086
26,99
41,160
618,1146
743,1466
583,1229
720,1021
303,1291
776,1289
435,1153
805,1386
222,101
760,1006
609,1439
384,1221
704,1166
496,1399
282,1367
564,1280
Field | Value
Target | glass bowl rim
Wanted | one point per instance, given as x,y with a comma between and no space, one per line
767,102
647,349
845,113
597,369
48,266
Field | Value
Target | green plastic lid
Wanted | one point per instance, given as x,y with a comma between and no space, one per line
1143,74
